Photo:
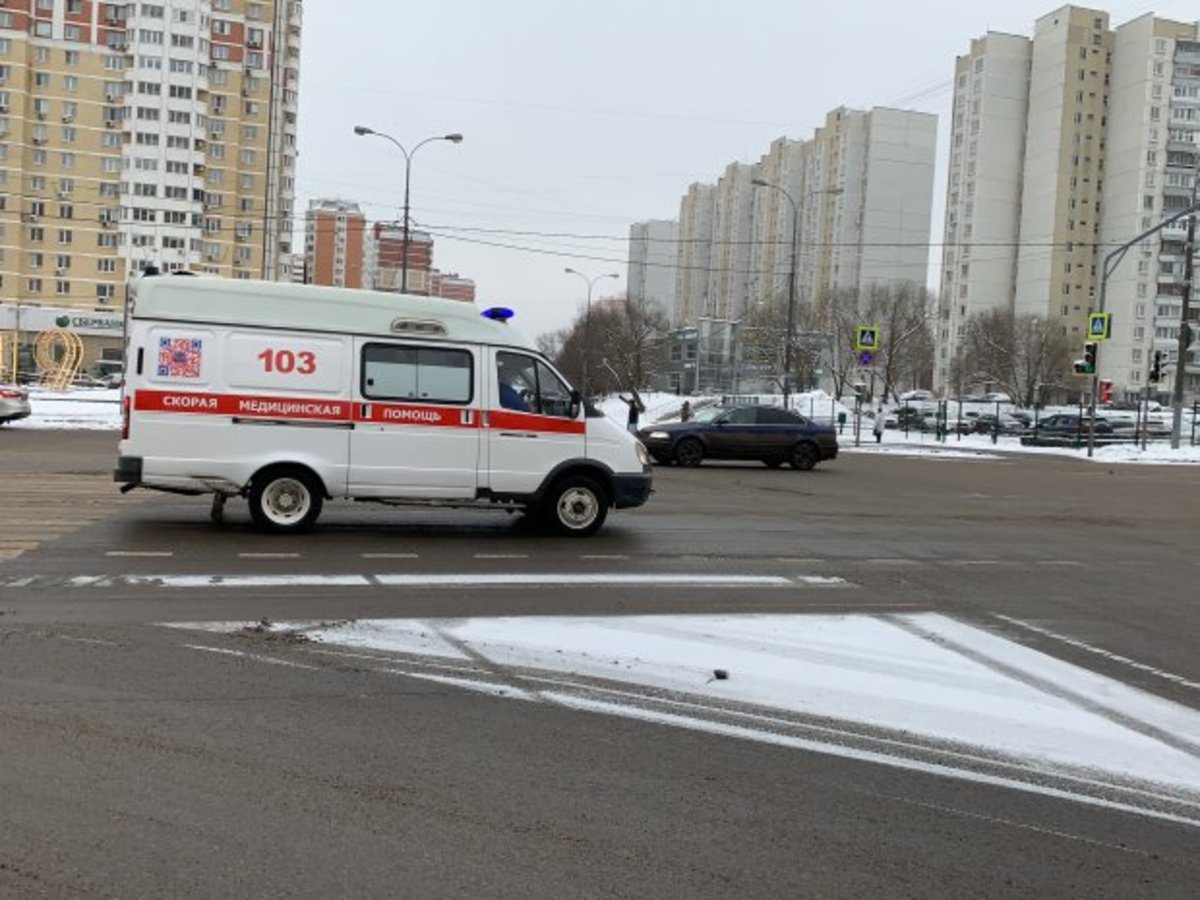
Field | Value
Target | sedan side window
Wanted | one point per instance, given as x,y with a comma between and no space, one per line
742,416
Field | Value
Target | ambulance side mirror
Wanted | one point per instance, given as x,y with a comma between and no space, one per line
576,404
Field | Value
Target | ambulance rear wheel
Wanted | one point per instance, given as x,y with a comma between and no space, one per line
575,506
285,499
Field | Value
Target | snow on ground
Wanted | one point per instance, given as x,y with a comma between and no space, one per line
926,680
84,409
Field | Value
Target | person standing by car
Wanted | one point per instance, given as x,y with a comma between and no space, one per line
636,408
878,428
685,411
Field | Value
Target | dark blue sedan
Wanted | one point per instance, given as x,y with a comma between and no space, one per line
766,433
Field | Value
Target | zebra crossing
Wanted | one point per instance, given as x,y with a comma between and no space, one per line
45,508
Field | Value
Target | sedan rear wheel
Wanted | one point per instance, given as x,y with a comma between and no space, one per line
689,452
804,457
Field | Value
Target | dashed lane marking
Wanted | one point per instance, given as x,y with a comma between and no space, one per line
269,555
140,553
390,555
502,556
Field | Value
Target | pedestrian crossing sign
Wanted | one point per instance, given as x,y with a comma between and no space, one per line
1099,326
866,337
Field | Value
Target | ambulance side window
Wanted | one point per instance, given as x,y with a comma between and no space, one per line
553,393
416,374
528,384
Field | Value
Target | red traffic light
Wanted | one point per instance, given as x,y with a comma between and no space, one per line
1106,392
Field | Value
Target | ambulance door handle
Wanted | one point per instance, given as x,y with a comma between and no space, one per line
519,434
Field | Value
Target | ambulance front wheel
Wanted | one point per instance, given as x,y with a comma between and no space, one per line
285,499
575,506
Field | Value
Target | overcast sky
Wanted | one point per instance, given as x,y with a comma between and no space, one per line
581,118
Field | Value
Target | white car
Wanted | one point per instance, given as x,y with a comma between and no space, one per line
14,403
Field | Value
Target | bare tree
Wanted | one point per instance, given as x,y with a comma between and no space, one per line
1016,354
622,343
903,314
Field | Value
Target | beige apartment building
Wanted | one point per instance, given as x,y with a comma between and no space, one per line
143,134
1063,146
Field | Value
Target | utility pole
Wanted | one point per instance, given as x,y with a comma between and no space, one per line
1185,328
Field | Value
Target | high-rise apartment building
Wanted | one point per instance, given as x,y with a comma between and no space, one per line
333,243
1097,132
983,191
1153,151
694,254
388,259
653,256
138,134
861,193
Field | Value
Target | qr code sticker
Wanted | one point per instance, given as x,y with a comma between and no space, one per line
179,357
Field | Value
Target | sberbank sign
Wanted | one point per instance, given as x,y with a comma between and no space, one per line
101,323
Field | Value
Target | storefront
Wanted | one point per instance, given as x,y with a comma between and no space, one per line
101,332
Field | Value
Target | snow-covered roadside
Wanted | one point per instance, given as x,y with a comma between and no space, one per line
663,407
85,409
100,409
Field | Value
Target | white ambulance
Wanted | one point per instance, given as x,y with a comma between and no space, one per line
290,395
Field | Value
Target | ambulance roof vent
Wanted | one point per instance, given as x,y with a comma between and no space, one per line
425,327
497,313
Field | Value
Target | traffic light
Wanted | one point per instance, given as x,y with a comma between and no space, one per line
1087,365
1105,392
1156,367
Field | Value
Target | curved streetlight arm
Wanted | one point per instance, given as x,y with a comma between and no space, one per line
454,138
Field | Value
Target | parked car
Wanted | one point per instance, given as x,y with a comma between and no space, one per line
766,433
987,423
14,403
1068,425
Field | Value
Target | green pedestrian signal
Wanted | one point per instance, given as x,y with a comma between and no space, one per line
1087,365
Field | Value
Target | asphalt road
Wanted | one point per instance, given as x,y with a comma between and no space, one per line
138,760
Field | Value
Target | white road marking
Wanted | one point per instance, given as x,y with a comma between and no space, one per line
1114,657
604,556
502,556
1074,563
390,555
139,553
192,581
269,555
255,657
584,579
900,762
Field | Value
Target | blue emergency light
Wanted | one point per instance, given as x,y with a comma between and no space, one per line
498,313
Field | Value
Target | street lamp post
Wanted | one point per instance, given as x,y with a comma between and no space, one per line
587,323
455,138
791,301
791,296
